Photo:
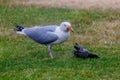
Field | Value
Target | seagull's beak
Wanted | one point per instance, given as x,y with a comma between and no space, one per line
70,29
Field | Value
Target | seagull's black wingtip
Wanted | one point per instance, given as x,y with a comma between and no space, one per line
18,27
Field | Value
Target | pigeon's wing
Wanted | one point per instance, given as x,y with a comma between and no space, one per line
43,35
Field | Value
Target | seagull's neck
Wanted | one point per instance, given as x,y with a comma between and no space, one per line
62,35
63,29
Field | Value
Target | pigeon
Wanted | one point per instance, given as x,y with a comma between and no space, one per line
81,52
48,35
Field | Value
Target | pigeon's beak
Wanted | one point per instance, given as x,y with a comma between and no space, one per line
70,29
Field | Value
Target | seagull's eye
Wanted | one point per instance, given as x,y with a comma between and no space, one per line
65,25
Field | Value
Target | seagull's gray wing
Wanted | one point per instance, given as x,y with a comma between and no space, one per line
43,35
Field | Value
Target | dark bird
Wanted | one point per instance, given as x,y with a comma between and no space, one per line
81,52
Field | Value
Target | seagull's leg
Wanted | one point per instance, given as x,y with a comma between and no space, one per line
50,50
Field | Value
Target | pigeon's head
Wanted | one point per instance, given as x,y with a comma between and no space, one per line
66,26
79,48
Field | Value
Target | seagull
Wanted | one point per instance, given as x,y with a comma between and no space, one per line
48,35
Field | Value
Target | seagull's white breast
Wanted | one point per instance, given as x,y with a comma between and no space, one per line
62,36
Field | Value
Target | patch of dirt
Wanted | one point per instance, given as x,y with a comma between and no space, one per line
100,33
76,4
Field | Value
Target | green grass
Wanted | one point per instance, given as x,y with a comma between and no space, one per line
23,59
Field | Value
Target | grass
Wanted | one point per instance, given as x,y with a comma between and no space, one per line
23,59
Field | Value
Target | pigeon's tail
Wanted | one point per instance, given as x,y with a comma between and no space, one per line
93,56
19,29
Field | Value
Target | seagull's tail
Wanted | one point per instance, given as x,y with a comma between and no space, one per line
19,29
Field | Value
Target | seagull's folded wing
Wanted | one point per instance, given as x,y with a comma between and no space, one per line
43,35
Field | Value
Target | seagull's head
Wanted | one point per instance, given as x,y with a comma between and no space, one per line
66,26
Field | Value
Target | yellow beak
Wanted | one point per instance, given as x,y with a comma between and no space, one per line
70,29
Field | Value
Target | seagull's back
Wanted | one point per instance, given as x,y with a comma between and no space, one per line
43,35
